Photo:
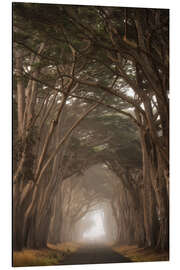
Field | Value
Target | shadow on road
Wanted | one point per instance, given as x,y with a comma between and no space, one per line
92,254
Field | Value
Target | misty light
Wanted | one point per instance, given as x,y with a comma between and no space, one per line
96,230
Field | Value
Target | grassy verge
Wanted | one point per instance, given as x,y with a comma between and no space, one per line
52,255
141,254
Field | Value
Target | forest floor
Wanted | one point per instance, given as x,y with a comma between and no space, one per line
74,253
136,254
52,255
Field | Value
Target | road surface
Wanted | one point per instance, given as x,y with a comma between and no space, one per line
93,255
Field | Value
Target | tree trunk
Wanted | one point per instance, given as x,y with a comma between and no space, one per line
153,175
21,199
56,221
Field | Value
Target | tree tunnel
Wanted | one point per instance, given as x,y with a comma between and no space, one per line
92,208
90,125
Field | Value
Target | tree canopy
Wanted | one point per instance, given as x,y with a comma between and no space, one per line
90,86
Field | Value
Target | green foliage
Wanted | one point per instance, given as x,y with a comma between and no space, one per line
60,26
103,137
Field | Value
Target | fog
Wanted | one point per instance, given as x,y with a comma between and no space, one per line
96,230
94,227
88,207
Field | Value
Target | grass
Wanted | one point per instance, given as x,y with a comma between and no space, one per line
137,254
52,255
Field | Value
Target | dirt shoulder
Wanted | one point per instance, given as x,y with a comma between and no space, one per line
137,254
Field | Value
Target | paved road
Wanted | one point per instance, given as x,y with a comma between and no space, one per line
92,254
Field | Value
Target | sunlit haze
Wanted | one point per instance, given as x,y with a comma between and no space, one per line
97,229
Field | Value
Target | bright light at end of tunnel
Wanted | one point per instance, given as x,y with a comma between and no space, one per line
97,229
